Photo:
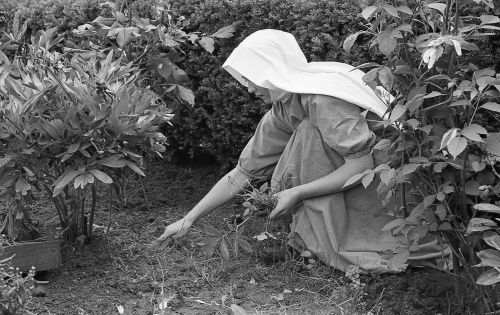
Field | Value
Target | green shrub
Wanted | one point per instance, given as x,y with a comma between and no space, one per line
44,14
225,116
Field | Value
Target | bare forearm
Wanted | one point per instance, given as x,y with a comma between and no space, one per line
226,189
334,182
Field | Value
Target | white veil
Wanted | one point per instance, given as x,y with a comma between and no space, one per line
273,59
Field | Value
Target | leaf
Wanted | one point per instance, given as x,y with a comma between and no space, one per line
386,43
368,179
404,28
207,43
489,19
277,297
490,257
135,168
487,207
103,177
224,250
456,146
440,211
208,246
476,129
391,10
112,5
182,93
65,178
113,161
84,152
208,229
493,143
261,237
387,175
397,112
489,277
369,11
409,168
120,308
431,55
72,148
226,31
492,238
355,178
236,246
415,98
104,21
471,188
433,94
306,254
83,179
393,224
441,7
350,40
495,107
382,145
22,186
264,187
458,47
125,35
447,137
245,246
405,9
386,77
470,134
237,310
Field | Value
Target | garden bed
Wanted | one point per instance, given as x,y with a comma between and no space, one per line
120,269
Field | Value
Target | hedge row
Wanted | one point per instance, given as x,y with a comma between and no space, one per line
225,116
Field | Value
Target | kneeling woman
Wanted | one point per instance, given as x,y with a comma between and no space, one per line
312,137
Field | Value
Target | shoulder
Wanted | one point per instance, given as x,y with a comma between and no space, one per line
326,100
320,98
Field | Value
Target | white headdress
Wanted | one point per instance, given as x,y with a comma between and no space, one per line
273,59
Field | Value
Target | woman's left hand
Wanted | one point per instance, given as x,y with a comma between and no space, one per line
286,200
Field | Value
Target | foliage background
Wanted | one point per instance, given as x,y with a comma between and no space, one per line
225,115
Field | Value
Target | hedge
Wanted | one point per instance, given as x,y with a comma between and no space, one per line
225,116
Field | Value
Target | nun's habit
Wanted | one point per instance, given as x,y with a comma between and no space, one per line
311,129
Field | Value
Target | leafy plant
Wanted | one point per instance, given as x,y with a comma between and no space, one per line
443,144
74,117
258,203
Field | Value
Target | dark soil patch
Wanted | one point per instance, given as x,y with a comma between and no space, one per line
120,269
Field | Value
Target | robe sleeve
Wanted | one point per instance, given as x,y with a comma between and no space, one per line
341,126
263,151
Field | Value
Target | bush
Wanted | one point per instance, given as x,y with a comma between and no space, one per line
44,14
225,116
446,146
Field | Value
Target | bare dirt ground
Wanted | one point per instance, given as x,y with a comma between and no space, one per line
120,271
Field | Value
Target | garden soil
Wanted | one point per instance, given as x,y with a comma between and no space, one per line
119,272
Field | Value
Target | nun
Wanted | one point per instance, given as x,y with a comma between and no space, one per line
315,138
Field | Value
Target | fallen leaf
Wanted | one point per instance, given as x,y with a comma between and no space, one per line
278,297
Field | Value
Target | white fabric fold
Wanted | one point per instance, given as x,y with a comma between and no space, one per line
273,59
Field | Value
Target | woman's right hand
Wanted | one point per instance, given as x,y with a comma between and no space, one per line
174,230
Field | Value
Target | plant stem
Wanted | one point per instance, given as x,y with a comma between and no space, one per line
144,192
92,211
110,208
82,213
